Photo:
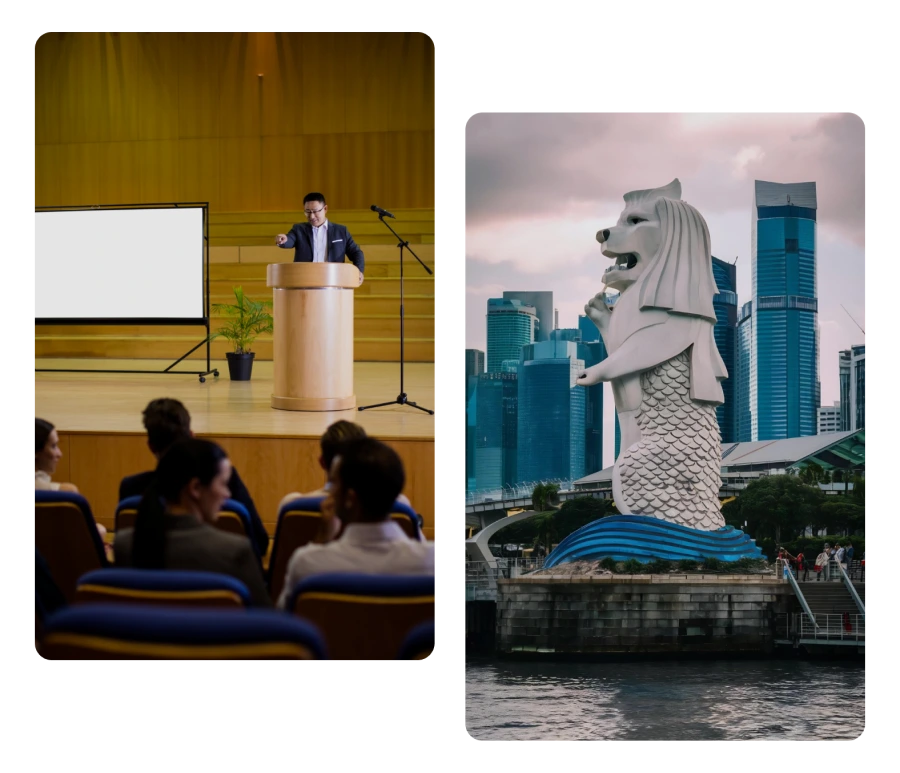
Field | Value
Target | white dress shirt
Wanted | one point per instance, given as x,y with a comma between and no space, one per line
320,242
367,548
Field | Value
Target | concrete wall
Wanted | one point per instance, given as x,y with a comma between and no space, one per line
640,613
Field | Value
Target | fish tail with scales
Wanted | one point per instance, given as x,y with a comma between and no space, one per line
673,471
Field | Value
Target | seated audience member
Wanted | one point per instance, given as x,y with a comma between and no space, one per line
167,421
192,479
365,477
47,454
331,441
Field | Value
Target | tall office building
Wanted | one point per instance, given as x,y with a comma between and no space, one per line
743,366
726,307
542,302
552,412
496,398
829,418
510,326
588,329
474,367
784,346
852,371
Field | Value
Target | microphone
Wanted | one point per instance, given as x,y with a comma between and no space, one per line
381,211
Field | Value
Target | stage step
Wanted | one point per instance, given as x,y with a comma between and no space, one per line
365,348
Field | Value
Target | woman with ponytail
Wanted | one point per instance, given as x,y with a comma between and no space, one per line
174,527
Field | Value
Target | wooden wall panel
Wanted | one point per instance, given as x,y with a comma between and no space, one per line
120,173
158,84
79,173
270,467
159,171
195,120
199,84
239,174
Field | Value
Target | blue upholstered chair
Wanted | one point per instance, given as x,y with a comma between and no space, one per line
65,534
117,631
419,643
164,587
233,517
364,616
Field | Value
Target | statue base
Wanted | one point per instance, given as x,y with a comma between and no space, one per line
644,538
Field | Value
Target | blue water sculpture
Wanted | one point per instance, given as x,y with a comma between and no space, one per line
644,538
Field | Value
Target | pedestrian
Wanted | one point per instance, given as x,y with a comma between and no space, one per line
838,559
848,557
802,566
822,563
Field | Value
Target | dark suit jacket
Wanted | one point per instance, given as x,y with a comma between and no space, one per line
136,485
194,545
338,239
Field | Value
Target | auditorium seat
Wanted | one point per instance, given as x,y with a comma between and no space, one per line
364,616
162,587
298,522
233,517
419,643
118,631
65,534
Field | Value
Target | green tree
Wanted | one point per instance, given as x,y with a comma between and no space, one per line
540,497
842,514
775,504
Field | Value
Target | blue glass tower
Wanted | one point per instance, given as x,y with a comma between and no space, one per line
511,325
743,360
474,367
726,308
784,348
496,426
552,412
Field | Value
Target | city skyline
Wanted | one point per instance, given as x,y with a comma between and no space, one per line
540,186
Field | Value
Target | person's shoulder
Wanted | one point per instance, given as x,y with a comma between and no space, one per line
135,485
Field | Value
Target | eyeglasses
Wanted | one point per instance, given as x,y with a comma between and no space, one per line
309,212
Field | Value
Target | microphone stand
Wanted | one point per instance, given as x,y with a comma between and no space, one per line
401,398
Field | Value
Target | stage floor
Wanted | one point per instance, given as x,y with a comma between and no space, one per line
98,417
112,402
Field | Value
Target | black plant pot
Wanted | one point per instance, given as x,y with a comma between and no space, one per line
240,365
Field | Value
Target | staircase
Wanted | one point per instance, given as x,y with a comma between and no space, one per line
832,598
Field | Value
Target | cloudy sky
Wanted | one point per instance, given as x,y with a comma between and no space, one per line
540,186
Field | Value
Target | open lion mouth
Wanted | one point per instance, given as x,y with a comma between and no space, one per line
624,262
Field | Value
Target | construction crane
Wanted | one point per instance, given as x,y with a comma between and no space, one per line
854,321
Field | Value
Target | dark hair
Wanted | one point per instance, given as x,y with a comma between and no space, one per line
374,471
42,430
336,436
166,420
179,465
313,197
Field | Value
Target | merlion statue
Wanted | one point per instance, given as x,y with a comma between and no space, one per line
663,363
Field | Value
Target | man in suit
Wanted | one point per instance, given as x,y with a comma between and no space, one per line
167,421
319,241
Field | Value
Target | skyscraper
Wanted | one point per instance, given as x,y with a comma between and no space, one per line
725,305
852,375
784,347
552,412
474,367
510,326
743,363
542,302
496,398
829,418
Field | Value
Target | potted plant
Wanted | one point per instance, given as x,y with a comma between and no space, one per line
246,319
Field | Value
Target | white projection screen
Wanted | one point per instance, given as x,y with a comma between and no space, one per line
120,265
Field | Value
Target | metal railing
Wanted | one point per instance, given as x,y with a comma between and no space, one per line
835,628
788,575
849,585
481,576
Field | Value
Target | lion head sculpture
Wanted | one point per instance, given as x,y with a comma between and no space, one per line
661,245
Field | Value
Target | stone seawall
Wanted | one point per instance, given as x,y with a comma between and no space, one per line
639,614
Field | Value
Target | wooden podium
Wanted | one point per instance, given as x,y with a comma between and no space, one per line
313,335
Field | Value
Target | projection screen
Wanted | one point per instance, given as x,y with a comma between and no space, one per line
120,265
